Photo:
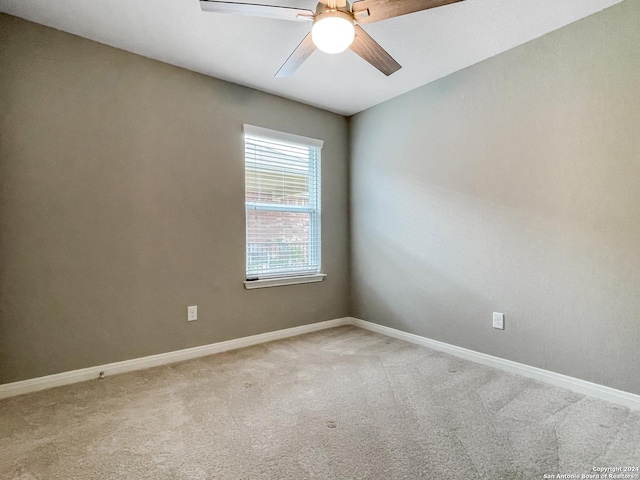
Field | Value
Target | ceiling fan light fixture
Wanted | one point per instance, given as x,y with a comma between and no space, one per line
333,31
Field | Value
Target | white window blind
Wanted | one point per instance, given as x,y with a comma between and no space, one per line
282,197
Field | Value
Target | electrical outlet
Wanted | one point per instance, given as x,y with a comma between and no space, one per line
498,320
192,313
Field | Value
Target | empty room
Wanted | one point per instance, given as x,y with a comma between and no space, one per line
380,239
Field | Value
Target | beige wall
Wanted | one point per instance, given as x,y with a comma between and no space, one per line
122,202
511,186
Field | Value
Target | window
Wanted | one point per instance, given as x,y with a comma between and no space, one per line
282,198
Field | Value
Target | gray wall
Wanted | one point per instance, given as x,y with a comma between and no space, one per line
511,186
122,202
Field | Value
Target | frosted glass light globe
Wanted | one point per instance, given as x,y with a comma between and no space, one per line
333,32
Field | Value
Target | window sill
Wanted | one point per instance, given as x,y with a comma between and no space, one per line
281,281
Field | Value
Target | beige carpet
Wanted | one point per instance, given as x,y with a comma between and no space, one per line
337,404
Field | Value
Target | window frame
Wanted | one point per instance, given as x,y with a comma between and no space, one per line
315,219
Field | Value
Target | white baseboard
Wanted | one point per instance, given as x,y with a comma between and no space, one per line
612,395
74,376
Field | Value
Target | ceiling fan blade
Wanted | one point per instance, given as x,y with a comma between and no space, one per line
372,52
297,58
256,10
382,9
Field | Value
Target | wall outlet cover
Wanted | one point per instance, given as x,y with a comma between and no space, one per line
192,313
498,320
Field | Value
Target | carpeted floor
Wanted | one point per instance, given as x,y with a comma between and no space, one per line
338,404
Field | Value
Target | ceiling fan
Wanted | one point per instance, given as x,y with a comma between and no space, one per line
336,26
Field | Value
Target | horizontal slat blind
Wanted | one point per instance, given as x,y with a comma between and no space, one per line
282,195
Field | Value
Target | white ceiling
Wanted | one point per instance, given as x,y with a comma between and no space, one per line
246,50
